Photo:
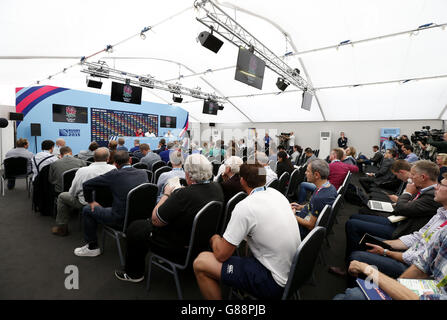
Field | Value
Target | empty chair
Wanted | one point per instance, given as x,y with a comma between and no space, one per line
296,178
203,228
282,184
141,201
158,164
16,168
158,173
303,263
140,165
229,209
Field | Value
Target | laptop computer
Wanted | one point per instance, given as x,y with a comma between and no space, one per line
380,206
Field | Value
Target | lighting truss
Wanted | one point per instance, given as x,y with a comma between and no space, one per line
101,70
220,22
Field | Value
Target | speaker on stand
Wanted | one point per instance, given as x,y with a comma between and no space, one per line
35,132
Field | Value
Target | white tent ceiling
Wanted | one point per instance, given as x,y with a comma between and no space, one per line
68,30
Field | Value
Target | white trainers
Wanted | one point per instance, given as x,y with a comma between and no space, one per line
86,252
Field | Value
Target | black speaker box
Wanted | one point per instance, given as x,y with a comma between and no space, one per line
212,124
209,41
3,123
94,84
16,116
35,129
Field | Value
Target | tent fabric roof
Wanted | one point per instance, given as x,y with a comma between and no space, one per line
358,81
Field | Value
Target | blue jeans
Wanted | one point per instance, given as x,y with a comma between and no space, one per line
351,294
359,224
386,265
99,216
304,187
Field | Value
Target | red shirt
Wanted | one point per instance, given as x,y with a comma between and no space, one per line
338,171
139,134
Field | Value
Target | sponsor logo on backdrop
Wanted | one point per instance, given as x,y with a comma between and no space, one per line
127,93
69,132
70,113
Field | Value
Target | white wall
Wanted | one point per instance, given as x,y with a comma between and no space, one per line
361,134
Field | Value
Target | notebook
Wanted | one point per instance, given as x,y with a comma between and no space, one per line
380,206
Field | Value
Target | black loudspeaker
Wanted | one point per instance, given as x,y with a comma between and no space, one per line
209,41
212,124
35,129
3,123
94,84
16,116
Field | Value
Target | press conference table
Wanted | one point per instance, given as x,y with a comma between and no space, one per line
152,142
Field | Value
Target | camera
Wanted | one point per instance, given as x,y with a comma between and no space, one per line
426,133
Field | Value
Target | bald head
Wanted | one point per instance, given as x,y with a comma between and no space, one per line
60,142
101,154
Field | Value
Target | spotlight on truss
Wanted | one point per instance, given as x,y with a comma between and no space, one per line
209,41
177,98
282,84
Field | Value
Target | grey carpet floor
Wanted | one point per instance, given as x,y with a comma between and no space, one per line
33,261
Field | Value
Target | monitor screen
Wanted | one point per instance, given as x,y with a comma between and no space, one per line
307,100
65,113
210,107
125,93
249,69
168,122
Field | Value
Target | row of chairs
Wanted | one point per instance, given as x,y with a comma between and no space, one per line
288,183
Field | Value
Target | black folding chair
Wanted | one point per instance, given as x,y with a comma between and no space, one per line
67,179
273,184
282,184
323,221
140,203
16,168
335,208
158,173
303,263
140,165
203,228
134,160
158,164
149,175
296,178
229,209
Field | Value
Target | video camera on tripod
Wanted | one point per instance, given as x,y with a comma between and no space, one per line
426,133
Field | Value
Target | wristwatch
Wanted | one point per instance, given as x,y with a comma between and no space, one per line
384,252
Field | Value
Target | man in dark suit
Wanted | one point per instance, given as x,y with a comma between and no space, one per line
383,175
374,160
120,182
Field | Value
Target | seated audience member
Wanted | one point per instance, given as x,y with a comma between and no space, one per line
266,221
161,146
139,133
393,262
284,164
74,198
417,204
120,182
349,156
57,168
176,159
231,184
231,151
169,134
374,160
383,175
407,149
121,146
59,144
20,151
430,264
86,154
164,155
142,151
112,149
262,158
136,146
337,169
169,230
389,144
43,158
150,157
317,172
296,153
441,161
310,156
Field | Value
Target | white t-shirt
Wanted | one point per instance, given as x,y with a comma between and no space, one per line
266,220
151,135
292,140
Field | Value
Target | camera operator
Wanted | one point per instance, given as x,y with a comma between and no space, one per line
441,146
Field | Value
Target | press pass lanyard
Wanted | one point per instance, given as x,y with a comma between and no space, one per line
323,186
258,189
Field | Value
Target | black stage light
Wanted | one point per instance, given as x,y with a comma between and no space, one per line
177,98
282,84
209,41
94,84
221,107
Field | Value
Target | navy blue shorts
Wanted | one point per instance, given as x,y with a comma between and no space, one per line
251,276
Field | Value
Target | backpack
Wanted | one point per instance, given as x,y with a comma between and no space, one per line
356,196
